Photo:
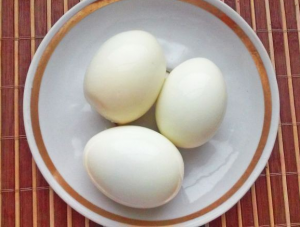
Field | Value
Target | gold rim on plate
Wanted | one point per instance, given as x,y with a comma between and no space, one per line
63,183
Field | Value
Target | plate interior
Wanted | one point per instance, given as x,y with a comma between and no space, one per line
67,121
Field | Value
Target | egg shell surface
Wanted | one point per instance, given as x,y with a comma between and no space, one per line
134,166
192,103
125,76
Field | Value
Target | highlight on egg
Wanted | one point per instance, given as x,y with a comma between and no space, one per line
192,103
125,76
134,166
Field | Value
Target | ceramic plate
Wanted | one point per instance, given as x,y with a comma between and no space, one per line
59,121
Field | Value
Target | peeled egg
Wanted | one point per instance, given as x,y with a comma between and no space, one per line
192,103
125,76
134,166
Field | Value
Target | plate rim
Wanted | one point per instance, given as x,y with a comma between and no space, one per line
28,104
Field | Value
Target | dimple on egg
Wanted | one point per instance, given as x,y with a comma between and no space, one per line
134,166
192,103
125,76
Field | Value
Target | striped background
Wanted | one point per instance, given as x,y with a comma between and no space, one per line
27,200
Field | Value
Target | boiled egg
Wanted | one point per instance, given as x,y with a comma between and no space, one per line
125,76
192,103
134,166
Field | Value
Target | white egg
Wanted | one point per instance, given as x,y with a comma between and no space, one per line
192,103
134,166
125,76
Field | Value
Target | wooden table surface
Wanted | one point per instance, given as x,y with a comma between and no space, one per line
26,198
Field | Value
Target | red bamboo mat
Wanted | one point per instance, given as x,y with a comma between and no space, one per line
27,200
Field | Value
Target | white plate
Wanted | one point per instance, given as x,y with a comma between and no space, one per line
59,121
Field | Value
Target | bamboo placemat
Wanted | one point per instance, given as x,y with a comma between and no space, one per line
27,200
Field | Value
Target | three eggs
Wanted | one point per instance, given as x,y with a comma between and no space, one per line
136,166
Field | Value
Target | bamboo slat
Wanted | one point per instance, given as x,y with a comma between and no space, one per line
0,112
